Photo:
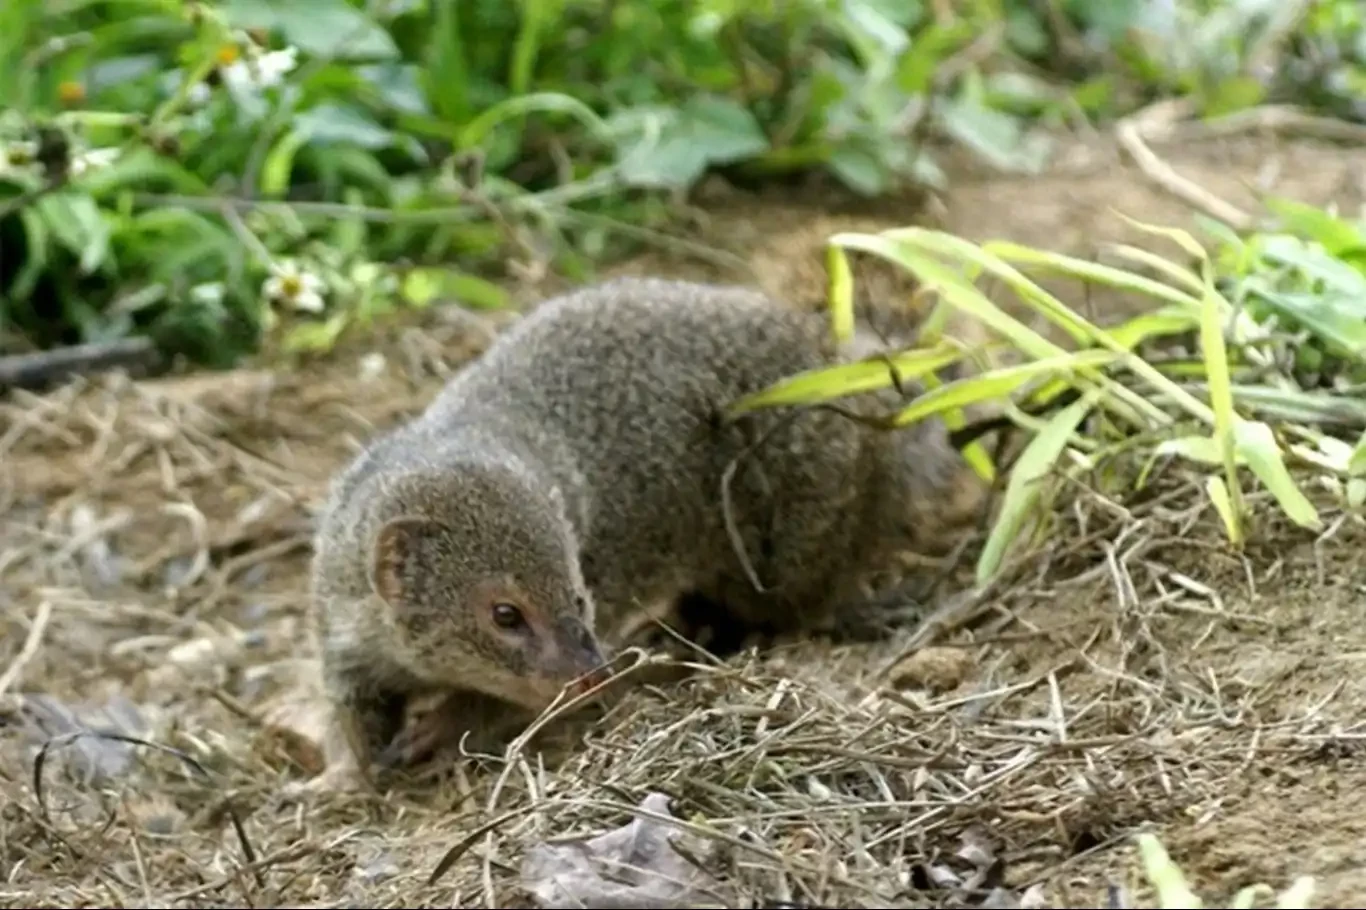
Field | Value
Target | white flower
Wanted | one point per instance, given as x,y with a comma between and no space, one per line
93,159
19,156
290,284
253,74
198,95
208,294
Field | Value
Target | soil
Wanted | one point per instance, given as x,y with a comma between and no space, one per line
154,551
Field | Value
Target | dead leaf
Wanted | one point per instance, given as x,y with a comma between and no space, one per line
632,866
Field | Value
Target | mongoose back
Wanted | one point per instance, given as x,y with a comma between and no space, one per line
575,475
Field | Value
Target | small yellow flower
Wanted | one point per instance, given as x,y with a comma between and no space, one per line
228,54
70,92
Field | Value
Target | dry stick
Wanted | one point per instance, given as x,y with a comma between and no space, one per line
43,368
31,645
1159,119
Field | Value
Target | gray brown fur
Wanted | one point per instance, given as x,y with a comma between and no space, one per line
582,455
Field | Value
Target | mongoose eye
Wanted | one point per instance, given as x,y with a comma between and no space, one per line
508,616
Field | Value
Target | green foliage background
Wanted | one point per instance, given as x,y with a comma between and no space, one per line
416,144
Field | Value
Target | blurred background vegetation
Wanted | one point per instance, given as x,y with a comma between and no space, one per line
221,175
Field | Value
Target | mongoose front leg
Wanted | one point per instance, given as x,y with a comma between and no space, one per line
364,720
490,723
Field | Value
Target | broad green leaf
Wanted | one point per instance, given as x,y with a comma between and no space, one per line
331,122
145,170
1314,262
279,163
37,254
707,130
1339,319
315,336
78,224
423,286
1313,223
996,136
1258,447
857,166
826,384
1024,486
996,384
325,28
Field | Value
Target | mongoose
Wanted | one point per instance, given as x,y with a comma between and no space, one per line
575,475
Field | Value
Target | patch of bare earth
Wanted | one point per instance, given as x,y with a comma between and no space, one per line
1135,674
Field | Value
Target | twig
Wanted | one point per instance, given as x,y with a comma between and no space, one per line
1132,135
31,645
43,368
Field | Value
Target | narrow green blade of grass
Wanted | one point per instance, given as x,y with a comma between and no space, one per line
1223,504
958,291
1167,320
1200,449
1215,354
1023,489
1165,876
1356,465
474,133
1257,445
1094,272
827,383
841,292
995,384
1054,310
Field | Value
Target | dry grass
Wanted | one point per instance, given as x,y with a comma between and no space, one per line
152,557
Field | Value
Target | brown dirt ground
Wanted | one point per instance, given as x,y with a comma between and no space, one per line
153,551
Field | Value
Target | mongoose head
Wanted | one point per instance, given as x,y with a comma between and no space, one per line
479,569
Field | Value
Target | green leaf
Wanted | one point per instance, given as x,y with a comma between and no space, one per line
75,220
1336,318
858,168
324,28
1164,875
706,131
1356,466
1200,449
36,254
1024,486
997,137
1258,447
422,286
331,122
279,163
996,384
315,336
1313,223
826,384
840,293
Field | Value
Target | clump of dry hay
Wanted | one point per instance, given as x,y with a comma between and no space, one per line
152,558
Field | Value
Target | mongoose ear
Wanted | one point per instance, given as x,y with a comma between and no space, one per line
398,547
